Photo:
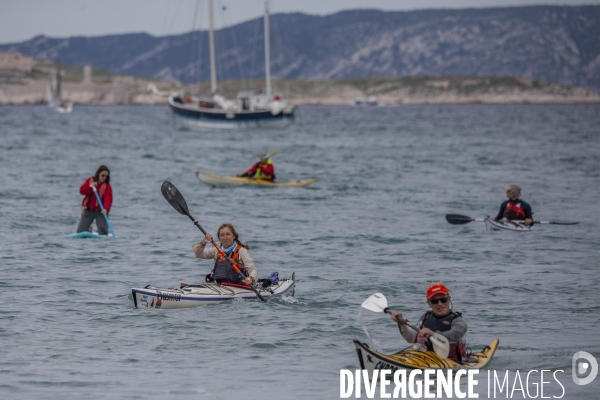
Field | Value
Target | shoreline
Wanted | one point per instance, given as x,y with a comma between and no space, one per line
120,90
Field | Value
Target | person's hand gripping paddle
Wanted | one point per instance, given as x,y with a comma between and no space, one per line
378,303
102,208
174,197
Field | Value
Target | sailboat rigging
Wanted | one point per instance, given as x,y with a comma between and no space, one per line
251,110
55,94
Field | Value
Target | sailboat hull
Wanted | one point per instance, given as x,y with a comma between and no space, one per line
212,118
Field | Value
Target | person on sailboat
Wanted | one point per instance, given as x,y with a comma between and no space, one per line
91,209
441,319
264,169
514,208
235,250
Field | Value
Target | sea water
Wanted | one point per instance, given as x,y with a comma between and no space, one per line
373,222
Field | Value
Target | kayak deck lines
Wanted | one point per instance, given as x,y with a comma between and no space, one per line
205,293
410,359
491,225
218,180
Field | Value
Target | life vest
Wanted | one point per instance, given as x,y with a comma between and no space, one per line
457,350
260,175
513,211
90,201
223,271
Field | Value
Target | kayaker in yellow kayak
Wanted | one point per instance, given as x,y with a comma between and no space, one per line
263,169
440,319
235,250
514,209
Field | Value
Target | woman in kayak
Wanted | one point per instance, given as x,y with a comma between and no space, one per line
235,250
91,208
515,209
440,319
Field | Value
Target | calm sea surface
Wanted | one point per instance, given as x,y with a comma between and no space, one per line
373,222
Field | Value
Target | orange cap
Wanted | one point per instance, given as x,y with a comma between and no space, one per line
436,288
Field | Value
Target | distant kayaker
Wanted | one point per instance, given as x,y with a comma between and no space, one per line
91,208
264,169
440,319
515,209
235,250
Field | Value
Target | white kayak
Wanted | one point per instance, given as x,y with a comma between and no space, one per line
206,293
218,180
506,226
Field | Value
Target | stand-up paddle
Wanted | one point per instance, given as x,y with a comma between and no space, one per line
457,219
102,208
175,199
378,303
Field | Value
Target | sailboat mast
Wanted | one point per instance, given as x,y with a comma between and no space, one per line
267,52
211,42
58,79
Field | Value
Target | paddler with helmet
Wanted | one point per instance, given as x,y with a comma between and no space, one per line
514,209
440,319
235,250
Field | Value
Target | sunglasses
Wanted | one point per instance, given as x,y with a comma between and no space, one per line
103,175
442,300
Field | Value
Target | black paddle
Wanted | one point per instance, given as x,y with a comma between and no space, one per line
457,219
174,197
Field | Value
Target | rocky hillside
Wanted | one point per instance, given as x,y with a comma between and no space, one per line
24,82
544,43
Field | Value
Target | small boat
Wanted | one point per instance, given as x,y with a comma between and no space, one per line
252,109
88,235
54,95
515,226
410,359
370,101
218,180
205,293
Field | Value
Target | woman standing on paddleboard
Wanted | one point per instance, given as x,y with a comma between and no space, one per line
91,209
235,250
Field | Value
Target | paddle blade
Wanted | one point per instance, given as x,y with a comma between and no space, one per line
441,346
172,195
376,303
270,154
457,219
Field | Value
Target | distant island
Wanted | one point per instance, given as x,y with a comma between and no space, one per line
23,81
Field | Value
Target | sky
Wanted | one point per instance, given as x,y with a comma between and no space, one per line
21,20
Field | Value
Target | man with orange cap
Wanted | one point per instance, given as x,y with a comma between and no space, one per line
440,319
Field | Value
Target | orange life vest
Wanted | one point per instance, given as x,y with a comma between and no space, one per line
223,271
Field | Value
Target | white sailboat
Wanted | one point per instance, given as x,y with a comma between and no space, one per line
54,95
251,109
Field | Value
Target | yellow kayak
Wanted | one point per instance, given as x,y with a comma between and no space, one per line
218,180
414,359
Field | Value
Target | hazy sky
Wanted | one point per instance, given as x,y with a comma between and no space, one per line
22,19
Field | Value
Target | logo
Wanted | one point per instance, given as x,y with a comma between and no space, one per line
581,367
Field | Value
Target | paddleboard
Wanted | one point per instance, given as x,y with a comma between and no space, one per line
88,235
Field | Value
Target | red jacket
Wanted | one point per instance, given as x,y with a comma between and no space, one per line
266,168
90,202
